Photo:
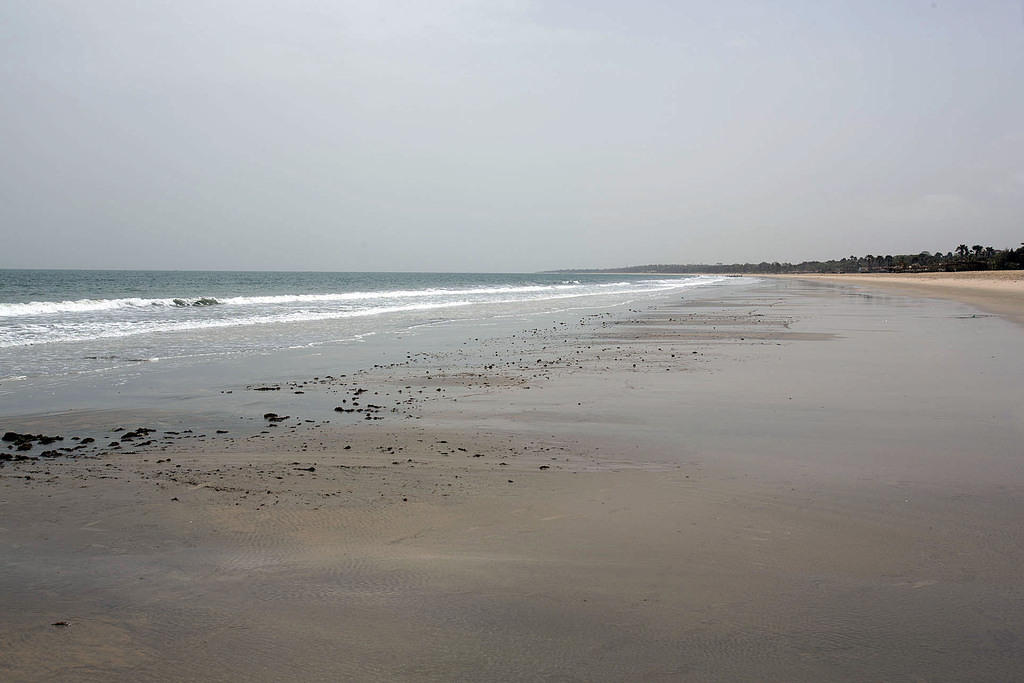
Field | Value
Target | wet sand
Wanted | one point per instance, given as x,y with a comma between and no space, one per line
996,291
794,481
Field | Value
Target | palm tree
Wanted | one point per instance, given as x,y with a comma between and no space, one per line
962,250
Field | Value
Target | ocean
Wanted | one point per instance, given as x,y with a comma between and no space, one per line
113,338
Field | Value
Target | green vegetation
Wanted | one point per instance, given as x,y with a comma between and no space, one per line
962,258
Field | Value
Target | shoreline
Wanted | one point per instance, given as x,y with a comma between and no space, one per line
773,482
154,369
996,291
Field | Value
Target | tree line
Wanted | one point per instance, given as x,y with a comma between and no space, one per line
976,257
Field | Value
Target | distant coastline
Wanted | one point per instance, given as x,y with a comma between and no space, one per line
963,258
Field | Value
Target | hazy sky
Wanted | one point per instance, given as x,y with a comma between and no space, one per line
504,135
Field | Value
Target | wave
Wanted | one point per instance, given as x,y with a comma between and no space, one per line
106,330
33,308
93,305
201,301
70,329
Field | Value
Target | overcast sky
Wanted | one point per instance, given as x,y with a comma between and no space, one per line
505,135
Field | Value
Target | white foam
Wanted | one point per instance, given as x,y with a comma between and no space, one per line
37,308
152,316
34,308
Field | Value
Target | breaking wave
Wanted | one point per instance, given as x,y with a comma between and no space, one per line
92,305
12,310
47,322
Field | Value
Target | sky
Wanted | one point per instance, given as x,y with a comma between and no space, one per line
506,135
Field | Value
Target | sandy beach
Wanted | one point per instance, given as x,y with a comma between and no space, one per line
996,291
805,479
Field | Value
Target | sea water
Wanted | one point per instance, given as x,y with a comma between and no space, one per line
66,335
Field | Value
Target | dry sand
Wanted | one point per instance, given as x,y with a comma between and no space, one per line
996,291
793,482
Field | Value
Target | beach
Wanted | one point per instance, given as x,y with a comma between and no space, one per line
996,291
791,479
